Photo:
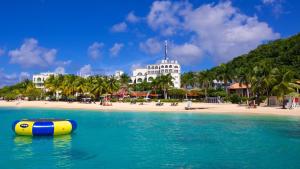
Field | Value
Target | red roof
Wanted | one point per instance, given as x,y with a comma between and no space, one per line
141,94
235,86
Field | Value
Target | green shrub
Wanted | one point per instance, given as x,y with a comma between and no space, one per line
235,99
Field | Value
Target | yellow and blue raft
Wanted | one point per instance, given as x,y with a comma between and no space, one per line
44,127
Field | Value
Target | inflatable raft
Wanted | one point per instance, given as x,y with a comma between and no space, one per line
44,127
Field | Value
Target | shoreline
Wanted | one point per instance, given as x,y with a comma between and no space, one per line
204,108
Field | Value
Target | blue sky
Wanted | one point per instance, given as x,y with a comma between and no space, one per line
104,36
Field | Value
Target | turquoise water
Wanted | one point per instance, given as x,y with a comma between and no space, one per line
153,140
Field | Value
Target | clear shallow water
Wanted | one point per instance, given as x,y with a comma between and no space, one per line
153,140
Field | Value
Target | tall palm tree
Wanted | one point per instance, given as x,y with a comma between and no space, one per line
165,82
124,79
284,85
53,84
80,84
244,77
188,79
98,86
224,73
204,80
262,80
112,85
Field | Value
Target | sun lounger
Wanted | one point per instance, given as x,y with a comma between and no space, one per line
174,104
159,104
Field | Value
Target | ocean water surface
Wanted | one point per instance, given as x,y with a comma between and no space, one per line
153,140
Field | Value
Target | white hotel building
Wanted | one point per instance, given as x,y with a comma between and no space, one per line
163,67
39,79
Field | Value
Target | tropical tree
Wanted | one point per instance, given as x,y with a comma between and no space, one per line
188,79
124,79
223,73
164,83
244,77
113,85
283,85
204,79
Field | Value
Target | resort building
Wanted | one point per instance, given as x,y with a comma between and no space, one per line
39,79
239,89
163,67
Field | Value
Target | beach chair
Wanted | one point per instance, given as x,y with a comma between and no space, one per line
251,105
159,104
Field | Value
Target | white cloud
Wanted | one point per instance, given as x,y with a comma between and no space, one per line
151,46
223,32
60,70
220,30
131,17
94,50
63,63
276,6
31,54
165,16
120,27
24,76
136,66
2,52
10,79
86,70
114,51
186,53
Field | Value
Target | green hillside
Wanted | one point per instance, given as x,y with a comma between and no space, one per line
282,53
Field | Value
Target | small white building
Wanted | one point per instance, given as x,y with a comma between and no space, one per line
163,67
39,79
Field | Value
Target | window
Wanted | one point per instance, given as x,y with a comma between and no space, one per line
156,67
170,70
152,67
176,71
166,70
175,66
39,79
166,66
162,66
140,74
150,79
170,66
162,71
140,80
149,67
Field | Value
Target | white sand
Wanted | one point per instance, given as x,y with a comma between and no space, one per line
151,107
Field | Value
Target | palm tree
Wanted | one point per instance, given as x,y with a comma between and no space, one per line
124,79
224,73
112,85
68,87
244,77
188,79
204,80
80,84
98,86
164,83
262,80
284,85
53,84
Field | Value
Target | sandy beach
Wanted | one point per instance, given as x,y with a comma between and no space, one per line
151,107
